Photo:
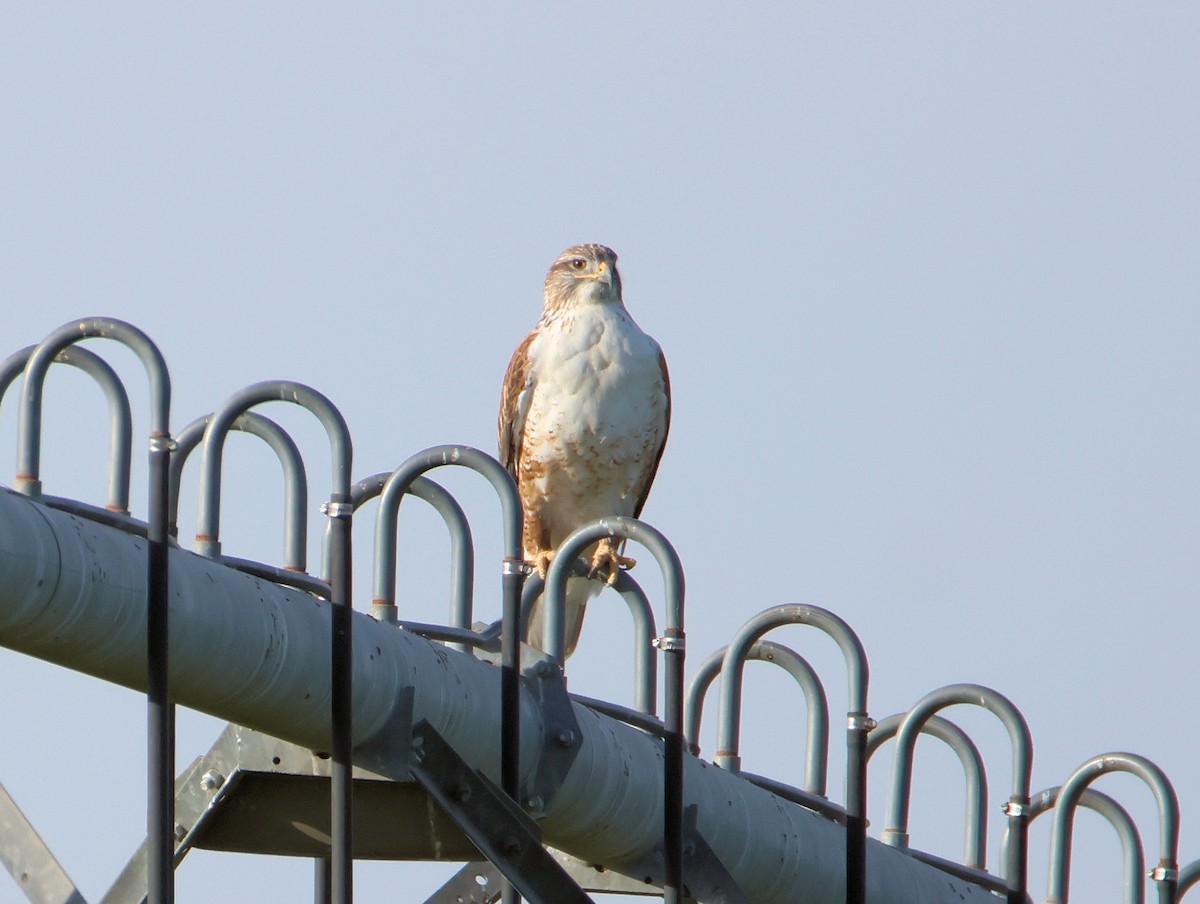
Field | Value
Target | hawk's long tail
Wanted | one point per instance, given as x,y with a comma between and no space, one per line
579,591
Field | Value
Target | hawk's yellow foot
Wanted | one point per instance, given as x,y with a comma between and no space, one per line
607,563
541,561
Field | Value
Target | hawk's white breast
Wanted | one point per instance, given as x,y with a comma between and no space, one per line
597,415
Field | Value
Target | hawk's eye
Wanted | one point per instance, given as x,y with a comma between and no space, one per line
578,263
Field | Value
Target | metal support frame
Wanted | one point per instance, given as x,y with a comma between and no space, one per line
1017,808
672,644
29,861
478,883
1166,874
339,512
975,832
1133,857
491,819
816,752
560,736
461,780
71,592
160,714
858,722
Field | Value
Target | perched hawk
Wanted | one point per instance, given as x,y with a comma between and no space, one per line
583,419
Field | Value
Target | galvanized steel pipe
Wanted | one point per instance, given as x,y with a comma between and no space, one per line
72,592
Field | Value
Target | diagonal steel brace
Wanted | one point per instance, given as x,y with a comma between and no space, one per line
493,823
32,865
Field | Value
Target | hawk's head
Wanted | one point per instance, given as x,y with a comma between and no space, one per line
583,274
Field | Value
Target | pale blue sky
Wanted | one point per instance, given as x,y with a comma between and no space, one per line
925,274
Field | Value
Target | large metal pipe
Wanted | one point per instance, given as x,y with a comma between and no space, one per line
73,592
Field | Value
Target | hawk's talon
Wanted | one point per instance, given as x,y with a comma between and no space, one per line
541,562
607,564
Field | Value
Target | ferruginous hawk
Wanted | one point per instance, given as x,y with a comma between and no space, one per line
584,414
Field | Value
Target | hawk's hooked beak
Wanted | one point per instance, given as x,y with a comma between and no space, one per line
603,274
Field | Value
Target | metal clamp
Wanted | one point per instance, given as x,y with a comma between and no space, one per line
337,509
859,722
1015,808
515,566
1164,874
669,644
162,443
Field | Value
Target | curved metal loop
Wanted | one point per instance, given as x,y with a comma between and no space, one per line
672,644
1118,817
120,456
896,833
1166,874
816,754
29,427
462,549
975,833
645,659
730,711
295,479
858,723
612,528
1189,877
221,422
399,482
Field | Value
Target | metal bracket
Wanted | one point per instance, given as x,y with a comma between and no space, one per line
561,735
390,751
475,883
707,878
493,823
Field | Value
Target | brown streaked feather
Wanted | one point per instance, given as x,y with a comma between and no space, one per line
648,477
510,427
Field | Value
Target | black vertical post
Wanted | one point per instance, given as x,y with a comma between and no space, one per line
160,728
1016,869
673,646
856,808
510,693
321,885
1168,887
341,869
